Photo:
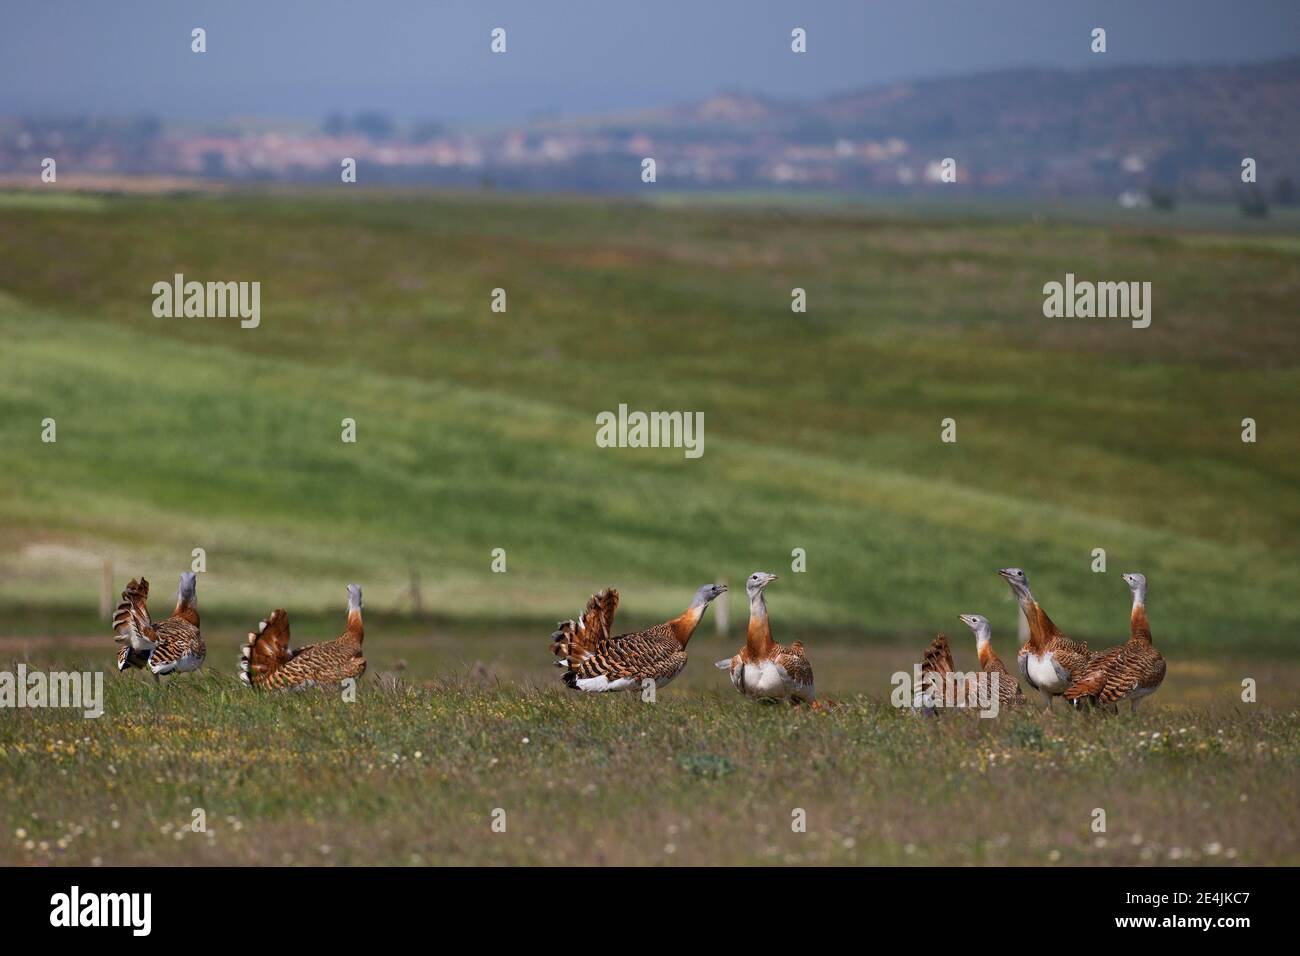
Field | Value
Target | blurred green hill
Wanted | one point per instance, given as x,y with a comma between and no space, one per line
475,430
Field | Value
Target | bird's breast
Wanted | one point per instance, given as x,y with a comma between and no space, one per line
761,679
1042,671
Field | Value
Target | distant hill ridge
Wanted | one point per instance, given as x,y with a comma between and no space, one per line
1184,126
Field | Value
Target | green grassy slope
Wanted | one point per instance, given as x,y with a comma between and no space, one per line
476,430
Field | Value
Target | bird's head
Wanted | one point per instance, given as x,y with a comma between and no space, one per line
188,592
354,597
978,624
1015,577
707,594
758,581
1137,583
1019,582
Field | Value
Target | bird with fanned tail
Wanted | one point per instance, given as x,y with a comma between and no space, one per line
267,662
941,684
173,645
596,662
764,669
1130,671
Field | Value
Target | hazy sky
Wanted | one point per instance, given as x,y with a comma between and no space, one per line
430,58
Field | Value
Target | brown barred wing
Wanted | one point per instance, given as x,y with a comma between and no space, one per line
1140,667
796,665
1009,693
1072,655
1092,679
180,647
666,666
330,662
624,662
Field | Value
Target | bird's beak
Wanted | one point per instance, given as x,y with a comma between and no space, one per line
1005,572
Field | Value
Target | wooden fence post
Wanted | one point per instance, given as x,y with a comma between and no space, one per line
417,604
106,590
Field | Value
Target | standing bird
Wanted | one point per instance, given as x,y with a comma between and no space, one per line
764,669
1130,671
1049,661
267,663
595,662
164,647
1009,693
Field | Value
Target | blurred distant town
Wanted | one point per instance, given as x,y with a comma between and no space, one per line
1137,135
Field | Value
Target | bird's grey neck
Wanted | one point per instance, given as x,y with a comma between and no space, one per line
1139,596
700,600
757,606
1024,596
983,632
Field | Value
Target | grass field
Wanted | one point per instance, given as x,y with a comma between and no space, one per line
476,431
412,772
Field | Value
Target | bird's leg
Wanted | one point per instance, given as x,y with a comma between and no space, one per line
1133,706
1048,702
